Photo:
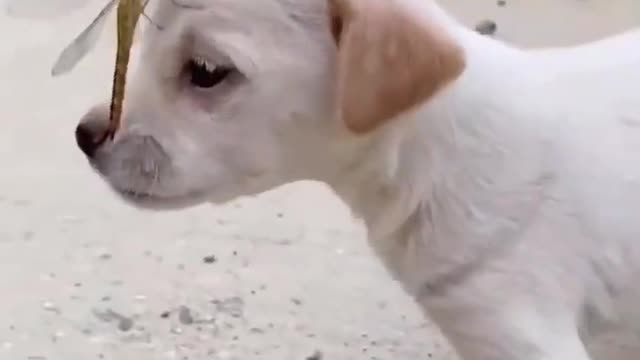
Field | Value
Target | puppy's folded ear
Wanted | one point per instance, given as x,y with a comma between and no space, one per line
388,61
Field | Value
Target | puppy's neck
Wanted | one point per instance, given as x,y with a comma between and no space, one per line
434,177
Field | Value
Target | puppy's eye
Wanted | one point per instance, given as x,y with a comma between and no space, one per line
203,75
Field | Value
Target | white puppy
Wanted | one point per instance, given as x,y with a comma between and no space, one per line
500,186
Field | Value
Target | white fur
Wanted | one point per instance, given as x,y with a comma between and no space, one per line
508,205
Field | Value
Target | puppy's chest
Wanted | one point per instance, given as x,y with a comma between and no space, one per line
463,227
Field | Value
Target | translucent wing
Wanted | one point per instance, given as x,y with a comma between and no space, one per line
83,43
40,8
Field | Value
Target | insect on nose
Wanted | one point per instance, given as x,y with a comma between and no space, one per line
91,131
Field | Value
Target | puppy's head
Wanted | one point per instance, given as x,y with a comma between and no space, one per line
234,97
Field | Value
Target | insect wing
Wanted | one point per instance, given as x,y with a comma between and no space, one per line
83,43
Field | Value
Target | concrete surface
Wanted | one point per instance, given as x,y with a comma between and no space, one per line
83,276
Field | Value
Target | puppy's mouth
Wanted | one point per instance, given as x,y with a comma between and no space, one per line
150,201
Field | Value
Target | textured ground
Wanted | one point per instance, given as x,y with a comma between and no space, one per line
83,276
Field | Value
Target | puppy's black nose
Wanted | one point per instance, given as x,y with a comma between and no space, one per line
91,130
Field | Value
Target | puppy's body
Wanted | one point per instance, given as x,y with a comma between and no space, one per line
504,203
527,206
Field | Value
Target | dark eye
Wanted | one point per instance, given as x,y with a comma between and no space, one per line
203,75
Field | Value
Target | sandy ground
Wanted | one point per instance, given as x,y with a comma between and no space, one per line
85,277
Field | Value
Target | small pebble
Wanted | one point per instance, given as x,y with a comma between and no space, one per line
184,315
49,306
233,306
210,259
125,324
165,315
105,316
502,3
486,27
296,301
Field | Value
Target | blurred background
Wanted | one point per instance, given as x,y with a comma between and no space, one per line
83,276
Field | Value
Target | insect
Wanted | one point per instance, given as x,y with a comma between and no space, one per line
128,14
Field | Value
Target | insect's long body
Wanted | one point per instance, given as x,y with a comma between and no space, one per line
129,12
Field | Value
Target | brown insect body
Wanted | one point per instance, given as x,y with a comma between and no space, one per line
128,13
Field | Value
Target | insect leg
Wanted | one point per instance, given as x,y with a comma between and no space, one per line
157,26
144,14
183,4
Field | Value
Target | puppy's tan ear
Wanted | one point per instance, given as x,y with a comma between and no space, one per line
388,61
